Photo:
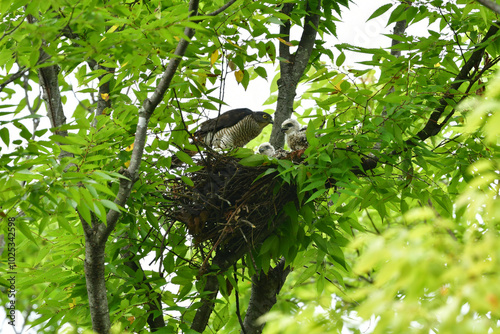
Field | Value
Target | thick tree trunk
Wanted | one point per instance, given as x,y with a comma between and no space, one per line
265,288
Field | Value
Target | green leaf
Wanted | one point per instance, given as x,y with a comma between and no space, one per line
72,149
306,274
316,195
25,230
254,160
110,205
84,212
184,157
261,71
104,189
63,222
320,242
187,181
268,244
169,262
397,13
69,139
335,252
26,175
221,317
340,59
313,185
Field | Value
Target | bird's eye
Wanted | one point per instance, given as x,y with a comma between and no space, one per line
265,116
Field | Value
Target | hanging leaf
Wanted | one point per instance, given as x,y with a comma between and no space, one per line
239,75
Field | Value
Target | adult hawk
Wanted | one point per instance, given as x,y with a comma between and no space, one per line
234,128
295,135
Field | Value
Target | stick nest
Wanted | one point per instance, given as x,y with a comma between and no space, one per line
228,206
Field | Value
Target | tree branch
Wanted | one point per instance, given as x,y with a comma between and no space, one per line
491,5
433,127
13,77
265,288
97,235
202,315
307,41
8,32
221,9
48,77
292,67
94,276
145,112
222,261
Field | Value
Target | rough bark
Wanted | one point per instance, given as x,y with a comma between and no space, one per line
49,82
202,315
265,288
51,95
292,67
94,277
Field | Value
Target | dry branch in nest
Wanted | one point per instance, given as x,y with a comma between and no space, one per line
229,207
